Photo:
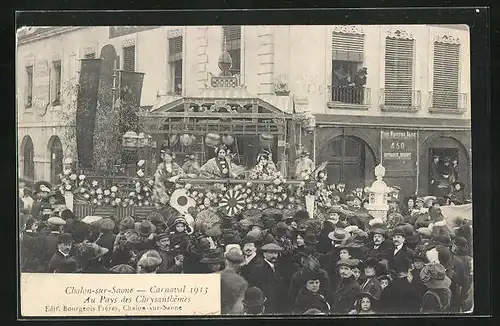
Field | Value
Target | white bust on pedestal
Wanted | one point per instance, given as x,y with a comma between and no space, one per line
378,192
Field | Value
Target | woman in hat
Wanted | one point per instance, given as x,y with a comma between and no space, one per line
213,260
218,167
122,269
166,175
366,304
309,296
149,262
281,234
254,301
373,269
457,194
437,298
107,239
89,256
324,242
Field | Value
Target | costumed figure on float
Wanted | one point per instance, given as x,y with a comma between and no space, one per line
218,166
265,169
166,175
304,165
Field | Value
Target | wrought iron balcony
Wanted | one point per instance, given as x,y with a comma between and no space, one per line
447,102
349,97
400,100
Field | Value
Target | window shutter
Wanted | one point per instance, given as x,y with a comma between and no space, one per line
232,35
175,49
348,47
129,58
398,71
446,75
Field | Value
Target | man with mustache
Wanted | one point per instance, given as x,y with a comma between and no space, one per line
265,276
64,245
380,249
345,294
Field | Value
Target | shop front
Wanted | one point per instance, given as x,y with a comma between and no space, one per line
406,150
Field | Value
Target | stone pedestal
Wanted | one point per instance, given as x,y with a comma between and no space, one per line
378,193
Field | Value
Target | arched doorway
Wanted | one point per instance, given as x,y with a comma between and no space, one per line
56,159
28,155
350,160
443,146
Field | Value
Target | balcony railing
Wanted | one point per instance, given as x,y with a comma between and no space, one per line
447,102
349,97
400,100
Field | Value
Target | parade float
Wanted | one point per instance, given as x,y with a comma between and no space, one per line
224,152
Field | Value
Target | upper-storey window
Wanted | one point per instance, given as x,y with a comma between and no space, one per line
175,63
231,38
348,75
399,54
29,86
445,89
129,58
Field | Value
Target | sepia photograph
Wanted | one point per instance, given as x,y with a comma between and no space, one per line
248,169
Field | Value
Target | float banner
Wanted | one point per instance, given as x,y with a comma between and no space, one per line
85,295
399,150
86,106
130,99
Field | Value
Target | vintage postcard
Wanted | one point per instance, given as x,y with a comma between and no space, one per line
244,170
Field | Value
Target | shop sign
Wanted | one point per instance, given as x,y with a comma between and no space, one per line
399,150
116,31
41,85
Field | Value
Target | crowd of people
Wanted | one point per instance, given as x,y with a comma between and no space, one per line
410,262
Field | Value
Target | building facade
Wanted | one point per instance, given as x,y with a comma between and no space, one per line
396,94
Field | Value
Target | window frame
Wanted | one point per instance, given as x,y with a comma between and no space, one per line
176,63
29,86
233,45
124,51
57,80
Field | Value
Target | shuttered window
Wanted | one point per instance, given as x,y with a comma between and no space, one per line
348,47
231,35
398,72
29,86
446,75
129,58
175,49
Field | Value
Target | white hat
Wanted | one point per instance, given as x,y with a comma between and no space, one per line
91,219
233,246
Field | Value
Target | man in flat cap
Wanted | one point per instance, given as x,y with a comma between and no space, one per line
265,275
64,245
344,296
